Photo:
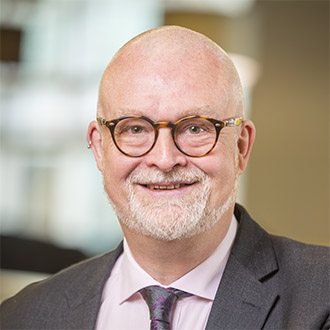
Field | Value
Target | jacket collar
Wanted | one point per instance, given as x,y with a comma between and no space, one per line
84,295
244,299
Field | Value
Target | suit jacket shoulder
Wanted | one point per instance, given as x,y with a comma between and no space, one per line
272,282
67,300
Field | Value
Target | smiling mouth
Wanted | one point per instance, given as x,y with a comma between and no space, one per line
166,187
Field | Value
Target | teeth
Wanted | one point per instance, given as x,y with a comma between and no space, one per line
170,187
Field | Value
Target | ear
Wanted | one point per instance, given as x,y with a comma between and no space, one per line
94,140
245,142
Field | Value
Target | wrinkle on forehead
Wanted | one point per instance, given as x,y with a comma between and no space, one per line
181,113
172,51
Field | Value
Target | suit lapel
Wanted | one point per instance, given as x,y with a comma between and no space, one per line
244,298
84,296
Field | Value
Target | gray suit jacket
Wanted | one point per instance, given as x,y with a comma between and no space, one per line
269,283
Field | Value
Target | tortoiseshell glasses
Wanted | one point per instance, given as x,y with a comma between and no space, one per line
194,136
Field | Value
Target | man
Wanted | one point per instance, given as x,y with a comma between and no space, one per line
171,141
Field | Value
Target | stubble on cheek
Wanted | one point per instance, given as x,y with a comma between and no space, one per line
117,195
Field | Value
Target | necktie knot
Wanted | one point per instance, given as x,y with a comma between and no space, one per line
160,302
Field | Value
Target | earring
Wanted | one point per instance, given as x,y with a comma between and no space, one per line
89,145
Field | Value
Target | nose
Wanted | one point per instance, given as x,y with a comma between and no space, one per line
165,155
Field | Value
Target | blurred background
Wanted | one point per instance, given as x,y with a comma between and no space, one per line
53,209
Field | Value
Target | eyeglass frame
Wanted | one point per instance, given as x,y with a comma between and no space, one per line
218,125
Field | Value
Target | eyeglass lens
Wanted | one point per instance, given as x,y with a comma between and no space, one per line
193,136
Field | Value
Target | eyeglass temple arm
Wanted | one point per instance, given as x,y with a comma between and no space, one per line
102,121
233,122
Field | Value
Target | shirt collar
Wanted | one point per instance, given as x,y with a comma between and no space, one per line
134,278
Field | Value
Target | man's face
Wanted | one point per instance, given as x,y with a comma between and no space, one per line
166,194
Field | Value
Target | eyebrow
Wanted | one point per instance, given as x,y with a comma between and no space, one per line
200,111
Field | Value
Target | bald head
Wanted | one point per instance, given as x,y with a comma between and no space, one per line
173,52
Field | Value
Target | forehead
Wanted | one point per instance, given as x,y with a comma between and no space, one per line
165,86
164,97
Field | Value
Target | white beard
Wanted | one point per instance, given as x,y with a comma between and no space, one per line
176,218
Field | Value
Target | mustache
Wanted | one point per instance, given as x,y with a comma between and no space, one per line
144,175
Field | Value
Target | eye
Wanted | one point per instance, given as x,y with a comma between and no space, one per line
136,130
195,129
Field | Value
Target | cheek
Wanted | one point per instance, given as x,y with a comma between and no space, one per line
218,166
221,170
116,168
116,165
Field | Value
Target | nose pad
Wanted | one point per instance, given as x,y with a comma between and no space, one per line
165,155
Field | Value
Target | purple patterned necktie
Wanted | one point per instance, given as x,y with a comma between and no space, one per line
160,302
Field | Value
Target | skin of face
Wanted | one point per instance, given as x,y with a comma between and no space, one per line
164,79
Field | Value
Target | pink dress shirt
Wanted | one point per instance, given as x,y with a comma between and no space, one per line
123,308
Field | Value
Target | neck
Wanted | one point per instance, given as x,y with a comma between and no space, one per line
167,261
